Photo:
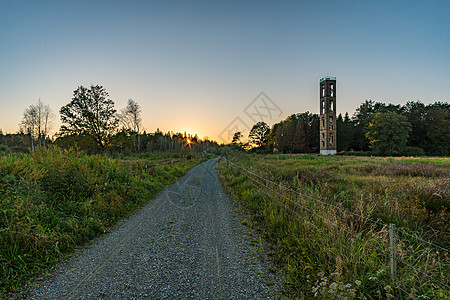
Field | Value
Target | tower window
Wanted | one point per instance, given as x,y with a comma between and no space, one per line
331,123
323,122
331,106
332,90
331,139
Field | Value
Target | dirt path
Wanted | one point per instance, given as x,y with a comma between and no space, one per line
187,243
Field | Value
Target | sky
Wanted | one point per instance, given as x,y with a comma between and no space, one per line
214,67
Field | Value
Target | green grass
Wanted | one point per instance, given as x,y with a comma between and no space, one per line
316,215
54,200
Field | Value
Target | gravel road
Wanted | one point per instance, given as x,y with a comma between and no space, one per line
188,243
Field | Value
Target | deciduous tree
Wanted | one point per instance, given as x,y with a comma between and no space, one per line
259,133
91,114
388,133
36,122
131,121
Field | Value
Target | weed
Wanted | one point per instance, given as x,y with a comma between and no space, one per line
327,213
54,200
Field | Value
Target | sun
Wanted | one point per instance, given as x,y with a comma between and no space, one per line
188,143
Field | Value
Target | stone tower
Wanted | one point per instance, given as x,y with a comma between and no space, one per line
328,115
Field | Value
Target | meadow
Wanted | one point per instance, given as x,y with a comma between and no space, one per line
55,200
328,219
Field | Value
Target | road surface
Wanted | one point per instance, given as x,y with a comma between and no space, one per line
188,243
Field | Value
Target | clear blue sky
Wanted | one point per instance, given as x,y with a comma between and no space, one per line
195,65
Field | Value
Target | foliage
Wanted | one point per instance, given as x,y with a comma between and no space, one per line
131,122
299,133
36,122
388,133
236,138
90,114
344,131
259,133
54,200
130,117
314,211
237,143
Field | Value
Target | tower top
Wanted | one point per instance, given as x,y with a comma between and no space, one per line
327,78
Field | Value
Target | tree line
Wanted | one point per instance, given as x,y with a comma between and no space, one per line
91,122
375,128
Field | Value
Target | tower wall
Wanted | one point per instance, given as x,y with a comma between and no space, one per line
328,136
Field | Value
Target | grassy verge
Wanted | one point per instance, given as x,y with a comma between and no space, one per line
327,219
55,200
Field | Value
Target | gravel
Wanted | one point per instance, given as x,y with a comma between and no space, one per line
187,243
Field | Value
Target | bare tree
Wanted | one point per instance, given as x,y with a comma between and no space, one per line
45,118
36,122
130,116
130,120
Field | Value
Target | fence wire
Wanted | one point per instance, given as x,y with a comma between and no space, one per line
253,177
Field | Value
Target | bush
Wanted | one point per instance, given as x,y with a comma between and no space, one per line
414,151
4,149
54,200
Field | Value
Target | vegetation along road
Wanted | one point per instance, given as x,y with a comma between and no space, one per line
186,243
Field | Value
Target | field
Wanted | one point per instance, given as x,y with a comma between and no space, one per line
328,220
54,200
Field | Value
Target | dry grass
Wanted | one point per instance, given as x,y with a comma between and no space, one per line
318,214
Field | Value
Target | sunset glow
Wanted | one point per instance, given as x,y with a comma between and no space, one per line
200,65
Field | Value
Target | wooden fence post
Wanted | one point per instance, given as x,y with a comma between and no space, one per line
392,243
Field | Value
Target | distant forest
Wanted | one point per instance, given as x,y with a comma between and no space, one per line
91,123
375,128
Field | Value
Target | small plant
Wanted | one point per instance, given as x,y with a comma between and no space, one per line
332,213
54,200
332,288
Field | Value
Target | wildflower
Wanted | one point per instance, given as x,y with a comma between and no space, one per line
388,288
333,286
335,274
352,292
357,282
320,274
348,285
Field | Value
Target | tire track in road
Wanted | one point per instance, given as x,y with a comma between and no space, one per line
186,243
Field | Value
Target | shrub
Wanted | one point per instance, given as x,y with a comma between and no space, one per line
413,151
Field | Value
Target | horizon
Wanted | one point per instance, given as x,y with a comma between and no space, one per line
198,67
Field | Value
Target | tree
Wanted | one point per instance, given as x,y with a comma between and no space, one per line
388,133
361,119
437,120
130,117
131,121
28,124
259,133
344,131
90,114
36,122
236,141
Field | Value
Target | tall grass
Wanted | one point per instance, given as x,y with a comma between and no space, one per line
327,220
54,200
